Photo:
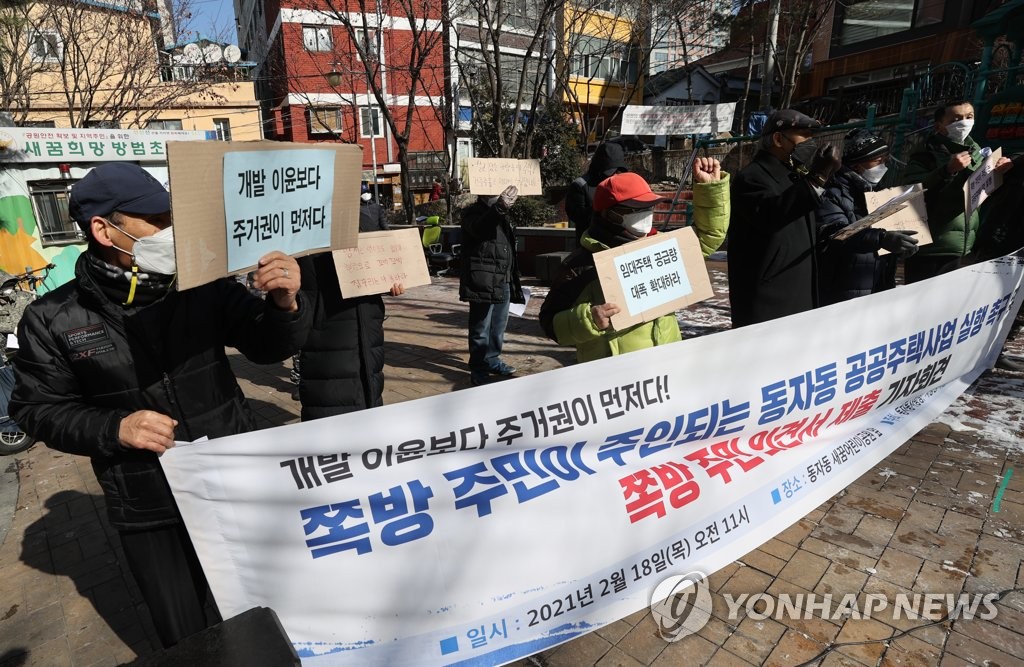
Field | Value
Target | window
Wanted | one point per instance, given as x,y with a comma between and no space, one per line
368,42
104,124
46,46
325,121
867,19
223,128
369,122
164,125
50,200
598,58
316,37
37,123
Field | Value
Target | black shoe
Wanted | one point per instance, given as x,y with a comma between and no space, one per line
477,380
503,369
1008,363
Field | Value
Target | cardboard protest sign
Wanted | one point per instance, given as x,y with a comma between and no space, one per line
910,218
490,176
233,202
888,203
653,276
982,183
380,260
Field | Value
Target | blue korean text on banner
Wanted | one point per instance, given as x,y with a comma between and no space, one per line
277,200
652,276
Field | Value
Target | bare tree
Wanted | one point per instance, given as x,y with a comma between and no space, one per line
17,64
98,63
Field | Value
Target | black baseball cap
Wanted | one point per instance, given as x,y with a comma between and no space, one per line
789,119
117,186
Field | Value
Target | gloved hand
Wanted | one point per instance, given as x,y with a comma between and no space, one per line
825,163
508,197
900,243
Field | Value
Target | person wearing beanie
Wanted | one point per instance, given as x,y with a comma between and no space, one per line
117,365
773,234
949,158
575,311
853,267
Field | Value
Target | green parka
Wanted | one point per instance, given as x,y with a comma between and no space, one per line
944,194
575,325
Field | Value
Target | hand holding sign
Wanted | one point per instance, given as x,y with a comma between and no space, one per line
603,314
958,162
279,274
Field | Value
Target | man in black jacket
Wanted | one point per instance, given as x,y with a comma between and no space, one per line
116,365
609,159
771,251
490,280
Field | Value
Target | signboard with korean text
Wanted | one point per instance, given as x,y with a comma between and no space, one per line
653,276
910,218
233,202
982,183
490,176
482,526
47,144
885,204
381,260
676,120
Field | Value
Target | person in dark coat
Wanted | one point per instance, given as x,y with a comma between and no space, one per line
341,366
772,231
609,158
116,365
489,282
853,267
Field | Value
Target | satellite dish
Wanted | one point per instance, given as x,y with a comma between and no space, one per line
213,53
191,54
232,53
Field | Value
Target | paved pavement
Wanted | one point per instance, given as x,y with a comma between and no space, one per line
923,520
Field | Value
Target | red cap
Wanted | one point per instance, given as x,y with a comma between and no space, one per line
625,189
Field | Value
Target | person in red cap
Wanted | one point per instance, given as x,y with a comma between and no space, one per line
117,365
575,311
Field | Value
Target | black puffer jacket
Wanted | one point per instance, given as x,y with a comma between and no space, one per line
853,267
609,159
772,236
343,359
488,255
85,363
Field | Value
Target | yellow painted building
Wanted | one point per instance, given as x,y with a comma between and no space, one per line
601,48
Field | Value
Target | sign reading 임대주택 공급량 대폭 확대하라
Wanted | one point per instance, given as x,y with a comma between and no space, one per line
553,504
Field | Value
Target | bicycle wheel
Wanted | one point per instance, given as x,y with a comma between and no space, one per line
12,442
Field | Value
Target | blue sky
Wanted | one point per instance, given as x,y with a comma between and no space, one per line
214,18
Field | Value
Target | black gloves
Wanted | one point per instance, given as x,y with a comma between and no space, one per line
508,197
826,161
899,243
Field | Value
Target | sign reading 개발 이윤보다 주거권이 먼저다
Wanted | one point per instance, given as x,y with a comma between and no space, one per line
381,260
490,176
235,201
653,276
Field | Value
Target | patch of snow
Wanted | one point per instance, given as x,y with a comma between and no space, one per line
887,473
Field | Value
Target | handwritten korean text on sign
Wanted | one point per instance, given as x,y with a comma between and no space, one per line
277,200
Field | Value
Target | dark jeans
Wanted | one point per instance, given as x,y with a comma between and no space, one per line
486,335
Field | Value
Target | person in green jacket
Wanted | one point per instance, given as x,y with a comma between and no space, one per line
575,311
949,158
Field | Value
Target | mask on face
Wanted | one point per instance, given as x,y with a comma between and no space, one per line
803,152
874,174
639,223
366,196
152,254
958,131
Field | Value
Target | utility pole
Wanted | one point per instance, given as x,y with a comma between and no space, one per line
771,39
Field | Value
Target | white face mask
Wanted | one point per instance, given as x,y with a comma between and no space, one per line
874,174
153,254
366,196
958,131
639,223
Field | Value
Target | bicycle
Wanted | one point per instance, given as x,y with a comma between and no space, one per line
16,293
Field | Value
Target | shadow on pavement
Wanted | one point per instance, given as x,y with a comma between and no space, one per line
71,541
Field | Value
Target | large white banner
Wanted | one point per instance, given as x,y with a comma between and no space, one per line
481,526
671,120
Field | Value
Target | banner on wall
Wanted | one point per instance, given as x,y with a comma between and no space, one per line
482,526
